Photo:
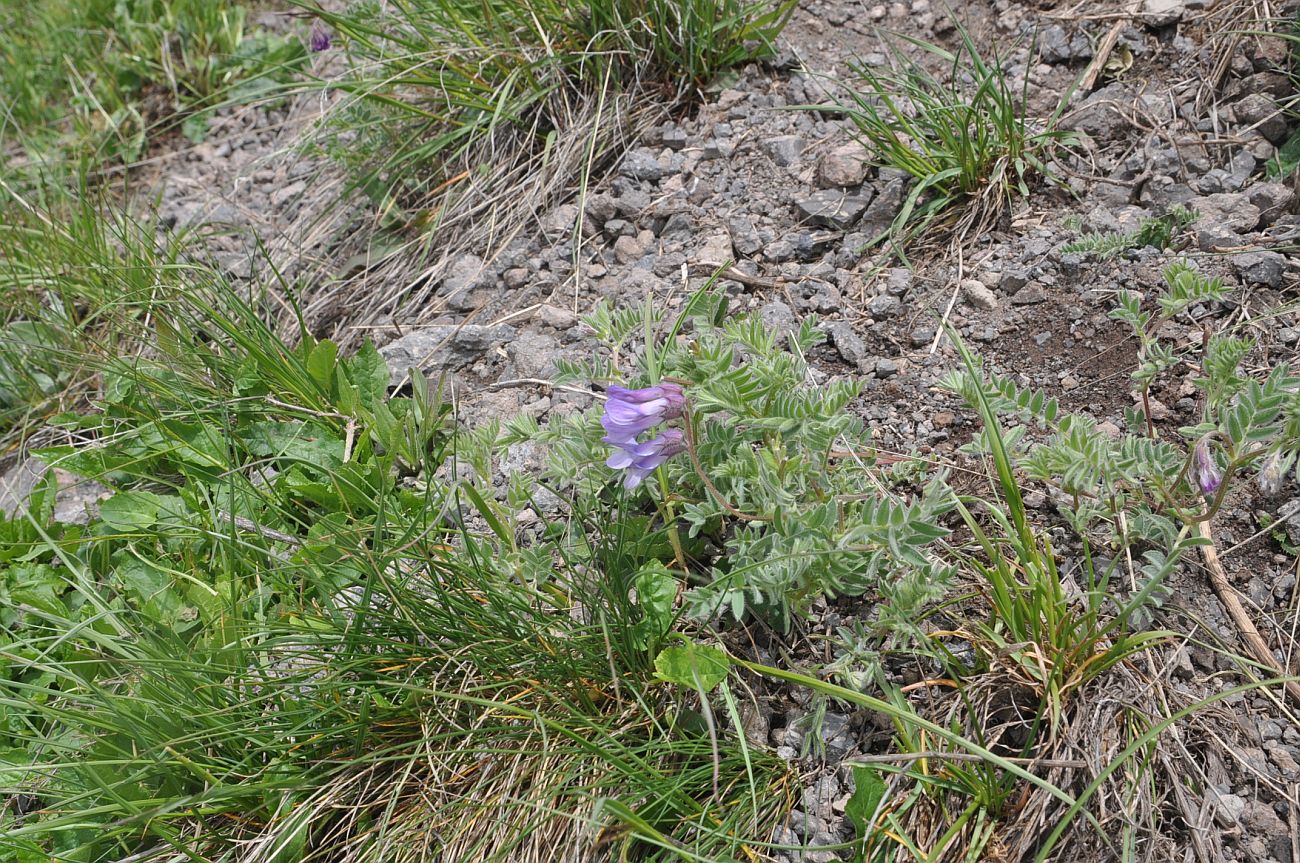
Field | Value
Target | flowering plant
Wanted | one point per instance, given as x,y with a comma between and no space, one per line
767,514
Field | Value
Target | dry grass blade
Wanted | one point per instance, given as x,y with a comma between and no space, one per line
1227,595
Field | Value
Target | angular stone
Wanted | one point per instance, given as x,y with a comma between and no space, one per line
641,164
885,306
627,250
1260,268
464,275
1260,112
833,209
848,343
978,295
785,149
442,348
842,167
1162,13
1273,200
1030,295
674,138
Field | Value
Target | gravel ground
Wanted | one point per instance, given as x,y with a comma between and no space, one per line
790,197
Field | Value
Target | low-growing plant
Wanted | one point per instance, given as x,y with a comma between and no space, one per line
1157,232
963,138
777,497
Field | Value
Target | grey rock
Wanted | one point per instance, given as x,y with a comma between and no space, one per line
17,483
679,226
1162,13
886,368
1012,280
785,149
559,223
884,306
1273,200
1260,112
465,274
833,209
848,343
898,282
1212,237
627,250
641,164
1232,210
1100,115
1055,45
615,228
884,207
674,138
600,208
554,316
442,348
515,278
533,354
921,336
744,237
1260,268
1030,295
778,318
76,500
1228,807
977,294
842,167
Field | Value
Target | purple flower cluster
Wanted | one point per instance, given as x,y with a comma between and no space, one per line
631,413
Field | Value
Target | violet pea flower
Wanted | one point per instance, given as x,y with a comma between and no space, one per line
639,460
320,38
628,413
1205,470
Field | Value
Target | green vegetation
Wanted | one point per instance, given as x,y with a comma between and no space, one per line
310,620
963,137
1157,232
94,78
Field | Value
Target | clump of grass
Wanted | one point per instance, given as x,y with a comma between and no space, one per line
92,78
963,137
282,638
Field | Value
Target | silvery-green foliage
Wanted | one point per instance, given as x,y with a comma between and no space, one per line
1136,473
794,506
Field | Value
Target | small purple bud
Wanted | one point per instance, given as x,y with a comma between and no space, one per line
1205,470
320,38
1270,473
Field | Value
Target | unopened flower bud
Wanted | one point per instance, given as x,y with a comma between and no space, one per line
1205,470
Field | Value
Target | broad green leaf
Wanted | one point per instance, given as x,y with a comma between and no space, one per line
132,510
656,588
320,364
868,790
695,665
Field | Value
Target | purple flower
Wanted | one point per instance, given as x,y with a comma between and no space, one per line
639,460
320,37
1205,470
628,413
